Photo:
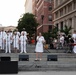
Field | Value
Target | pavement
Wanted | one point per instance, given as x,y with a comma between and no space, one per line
45,73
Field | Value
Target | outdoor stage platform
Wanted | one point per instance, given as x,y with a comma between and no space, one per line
65,62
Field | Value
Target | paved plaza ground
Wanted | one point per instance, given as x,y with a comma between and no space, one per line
45,73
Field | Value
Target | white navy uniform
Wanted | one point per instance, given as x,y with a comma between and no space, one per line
0,41
3,34
7,39
16,41
23,40
18,33
39,45
25,33
11,34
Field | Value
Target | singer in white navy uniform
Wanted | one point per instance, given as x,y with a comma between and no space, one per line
18,33
11,34
25,33
7,40
39,46
16,41
23,40
3,34
0,40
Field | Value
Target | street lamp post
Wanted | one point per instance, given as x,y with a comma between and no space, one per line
42,18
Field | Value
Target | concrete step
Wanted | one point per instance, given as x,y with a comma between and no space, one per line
32,55
66,62
46,66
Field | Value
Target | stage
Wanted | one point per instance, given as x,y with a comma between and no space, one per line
65,62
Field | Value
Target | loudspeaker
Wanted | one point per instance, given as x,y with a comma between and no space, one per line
51,57
5,58
8,67
23,57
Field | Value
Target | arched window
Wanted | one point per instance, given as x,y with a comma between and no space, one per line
50,8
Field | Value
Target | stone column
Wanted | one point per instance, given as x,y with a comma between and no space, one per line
58,2
67,9
67,22
59,25
72,5
73,24
54,3
59,13
64,23
63,11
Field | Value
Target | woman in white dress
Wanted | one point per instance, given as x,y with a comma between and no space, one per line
39,46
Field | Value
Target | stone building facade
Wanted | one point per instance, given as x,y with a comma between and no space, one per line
65,14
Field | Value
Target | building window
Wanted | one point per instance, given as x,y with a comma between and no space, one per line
75,4
50,28
70,7
65,10
56,14
37,1
50,18
49,0
61,12
57,26
56,2
61,1
50,8
61,26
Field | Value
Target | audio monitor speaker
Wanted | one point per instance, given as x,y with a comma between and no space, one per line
23,57
52,58
5,58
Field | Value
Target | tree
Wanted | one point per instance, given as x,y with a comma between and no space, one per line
51,33
66,30
54,32
28,22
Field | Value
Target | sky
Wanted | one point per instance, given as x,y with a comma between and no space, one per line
10,12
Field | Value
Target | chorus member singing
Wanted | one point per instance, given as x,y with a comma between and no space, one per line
18,33
39,46
23,40
15,41
0,40
3,34
25,33
10,34
7,40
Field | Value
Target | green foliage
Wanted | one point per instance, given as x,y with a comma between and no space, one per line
66,30
28,22
52,33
